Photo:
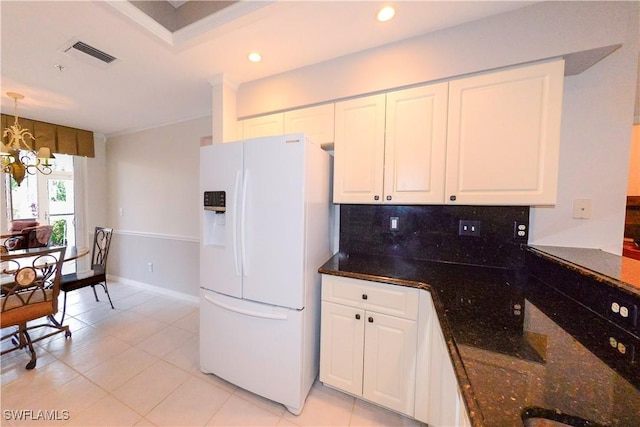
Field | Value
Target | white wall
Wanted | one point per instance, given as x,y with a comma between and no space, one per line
153,205
94,186
597,111
90,182
594,157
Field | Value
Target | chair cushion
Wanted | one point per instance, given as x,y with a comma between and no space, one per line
15,301
73,281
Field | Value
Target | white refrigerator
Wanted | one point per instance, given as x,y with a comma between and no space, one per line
265,232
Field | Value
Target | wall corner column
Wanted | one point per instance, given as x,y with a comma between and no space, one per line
224,115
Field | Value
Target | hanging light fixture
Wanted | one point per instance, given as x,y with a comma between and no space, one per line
15,153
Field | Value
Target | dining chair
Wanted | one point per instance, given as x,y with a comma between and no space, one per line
38,236
13,243
30,288
97,276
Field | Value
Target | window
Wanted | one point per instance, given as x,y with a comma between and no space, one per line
48,199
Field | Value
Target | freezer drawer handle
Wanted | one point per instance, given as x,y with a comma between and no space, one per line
246,312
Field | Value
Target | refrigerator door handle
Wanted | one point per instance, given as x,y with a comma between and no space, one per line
243,224
271,316
236,190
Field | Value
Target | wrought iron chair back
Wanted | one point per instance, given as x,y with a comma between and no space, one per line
101,244
98,274
30,288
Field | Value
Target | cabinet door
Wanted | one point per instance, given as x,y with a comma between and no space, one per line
316,122
341,347
257,127
390,362
504,135
359,150
415,145
463,418
443,397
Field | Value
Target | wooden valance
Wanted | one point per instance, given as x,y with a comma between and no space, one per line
60,139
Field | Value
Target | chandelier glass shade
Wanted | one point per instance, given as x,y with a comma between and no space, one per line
16,160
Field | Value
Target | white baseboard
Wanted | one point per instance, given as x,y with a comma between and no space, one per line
148,287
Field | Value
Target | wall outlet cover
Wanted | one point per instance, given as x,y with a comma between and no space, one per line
468,228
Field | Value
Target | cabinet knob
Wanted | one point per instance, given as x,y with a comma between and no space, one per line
370,319
388,197
357,317
364,296
452,198
376,197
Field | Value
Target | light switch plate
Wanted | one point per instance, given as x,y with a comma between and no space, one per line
582,208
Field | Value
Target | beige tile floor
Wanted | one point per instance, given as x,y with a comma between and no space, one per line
138,365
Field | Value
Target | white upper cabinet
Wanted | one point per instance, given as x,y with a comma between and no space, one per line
415,145
504,136
488,139
316,122
359,150
391,148
269,125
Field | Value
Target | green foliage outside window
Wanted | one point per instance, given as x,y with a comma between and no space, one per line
59,237
61,192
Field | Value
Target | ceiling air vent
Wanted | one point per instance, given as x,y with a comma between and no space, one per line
88,53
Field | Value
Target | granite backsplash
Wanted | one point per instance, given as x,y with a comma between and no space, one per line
432,233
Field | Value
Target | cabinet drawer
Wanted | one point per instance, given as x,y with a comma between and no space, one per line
380,297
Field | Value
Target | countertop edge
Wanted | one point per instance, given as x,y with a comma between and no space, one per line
471,404
585,271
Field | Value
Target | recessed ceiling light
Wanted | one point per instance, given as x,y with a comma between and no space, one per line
386,13
255,57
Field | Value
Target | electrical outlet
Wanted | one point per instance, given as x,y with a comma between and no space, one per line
520,230
150,267
394,223
468,228
622,311
622,348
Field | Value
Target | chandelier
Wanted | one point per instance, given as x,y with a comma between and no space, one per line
17,154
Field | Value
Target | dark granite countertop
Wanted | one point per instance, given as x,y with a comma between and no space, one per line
518,344
621,272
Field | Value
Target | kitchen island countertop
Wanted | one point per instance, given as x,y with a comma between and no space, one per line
612,270
518,346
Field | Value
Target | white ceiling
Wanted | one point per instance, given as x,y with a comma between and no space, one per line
155,83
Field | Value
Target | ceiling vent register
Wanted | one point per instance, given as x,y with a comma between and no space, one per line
87,53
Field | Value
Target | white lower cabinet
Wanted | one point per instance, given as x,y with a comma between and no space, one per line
367,349
342,347
370,355
383,343
445,404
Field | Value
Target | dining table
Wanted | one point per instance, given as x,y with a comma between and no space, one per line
71,253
